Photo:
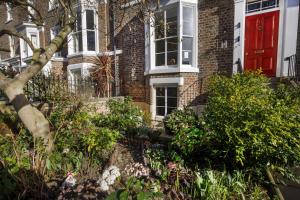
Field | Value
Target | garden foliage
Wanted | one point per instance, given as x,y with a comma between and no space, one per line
247,124
123,116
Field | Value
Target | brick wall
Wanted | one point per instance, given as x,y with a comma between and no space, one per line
18,16
216,24
130,37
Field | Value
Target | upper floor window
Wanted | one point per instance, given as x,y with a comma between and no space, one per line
84,36
260,5
166,37
9,12
174,36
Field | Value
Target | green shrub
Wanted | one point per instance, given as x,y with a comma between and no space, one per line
79,139
247,124
181,119
123,116
251,124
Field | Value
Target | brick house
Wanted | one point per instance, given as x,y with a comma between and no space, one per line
164,60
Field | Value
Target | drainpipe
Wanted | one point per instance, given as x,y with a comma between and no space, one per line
116,67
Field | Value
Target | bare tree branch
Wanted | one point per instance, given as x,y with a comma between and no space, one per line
19,35
4,50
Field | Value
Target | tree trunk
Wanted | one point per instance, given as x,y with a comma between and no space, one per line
32,118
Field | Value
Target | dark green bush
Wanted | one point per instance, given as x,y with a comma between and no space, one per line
181,119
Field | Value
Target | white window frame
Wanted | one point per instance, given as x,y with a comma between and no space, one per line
9,16
165,87
261,8
150,51
12,49
71,46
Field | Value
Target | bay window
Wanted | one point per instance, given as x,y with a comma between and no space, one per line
173,41
84,36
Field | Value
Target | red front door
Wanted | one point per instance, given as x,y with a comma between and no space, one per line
261,42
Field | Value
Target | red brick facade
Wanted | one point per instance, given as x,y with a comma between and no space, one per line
215,26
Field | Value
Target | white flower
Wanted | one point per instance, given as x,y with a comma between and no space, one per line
113,168
65,151
104,186
105,174
111,179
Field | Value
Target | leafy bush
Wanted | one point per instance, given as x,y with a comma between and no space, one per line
247,124
251,123
181,119
77,137
123,116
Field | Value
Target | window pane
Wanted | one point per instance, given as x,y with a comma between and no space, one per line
188,13
171,29
171,24
160,101
90,24
187,43
160,46
172,58
172,102
78,26
77,38
172,14
188,28
34,40
160,59
160,92
187,58
188,16
160,111
172,44
159,25
91,40
172,92
170,110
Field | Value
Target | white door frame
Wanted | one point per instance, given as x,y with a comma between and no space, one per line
239,32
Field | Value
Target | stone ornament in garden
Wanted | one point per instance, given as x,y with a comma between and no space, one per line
70,181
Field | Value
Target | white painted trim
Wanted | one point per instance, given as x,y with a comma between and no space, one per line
166,70
172,80
59,59
263,11
239,47
93,53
